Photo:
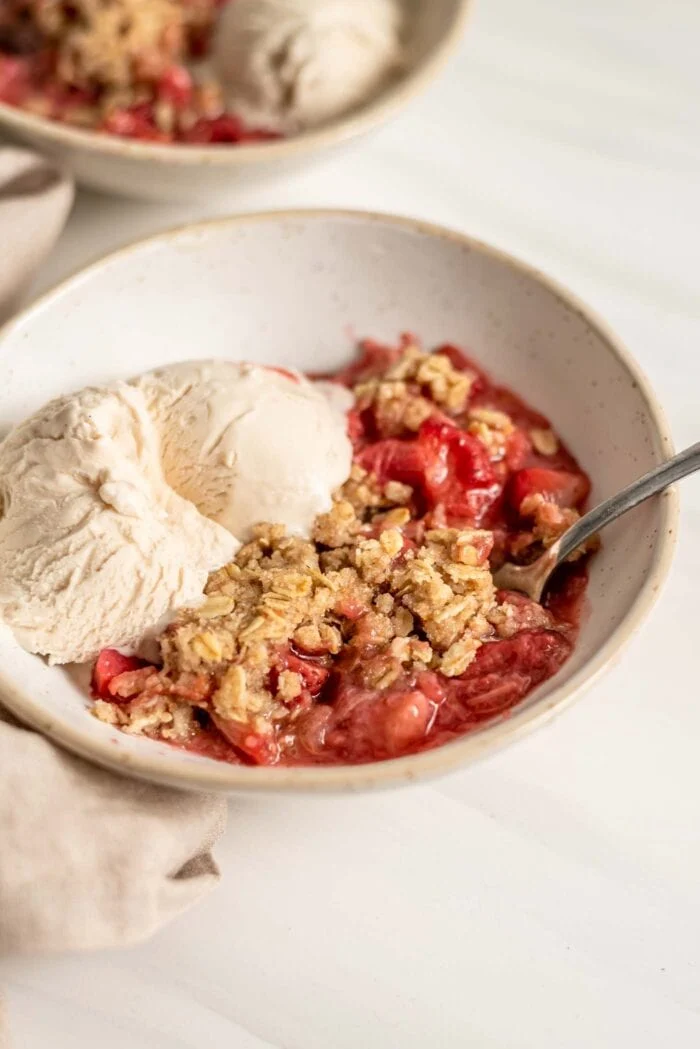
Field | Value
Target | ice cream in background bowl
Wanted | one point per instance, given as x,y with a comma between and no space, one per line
119,501
294,64
291,79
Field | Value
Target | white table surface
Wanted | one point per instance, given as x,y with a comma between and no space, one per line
549,897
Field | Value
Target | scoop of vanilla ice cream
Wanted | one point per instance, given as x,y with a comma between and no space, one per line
248,444
292,64
95,547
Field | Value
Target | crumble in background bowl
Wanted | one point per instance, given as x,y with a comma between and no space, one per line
188,172
231,288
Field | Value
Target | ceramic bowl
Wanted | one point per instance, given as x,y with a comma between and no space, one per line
172,172
231,288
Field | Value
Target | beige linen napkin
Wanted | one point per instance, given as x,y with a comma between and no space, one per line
4,1033
90,859
87,858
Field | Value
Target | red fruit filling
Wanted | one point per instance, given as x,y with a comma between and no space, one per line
108,668
69,61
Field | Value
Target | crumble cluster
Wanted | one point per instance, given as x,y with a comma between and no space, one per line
396,397
111,42
415,608
548,523
118,51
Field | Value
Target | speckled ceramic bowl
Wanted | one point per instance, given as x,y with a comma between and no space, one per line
232,288
180,172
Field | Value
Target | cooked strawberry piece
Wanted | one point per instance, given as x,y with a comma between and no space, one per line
211,743
195,688
432,685
226,128
395,460
141,682
312,728
567,490
518,448
110,664
200,134
460,476
375,529
494,695
566,597
313,673
470,509
525,614
407,720
456,453
502,674
365,724
175,86
535,654
135,122
349,696
449,467
14,80
221,129
121,122
349,607
258,747
356,427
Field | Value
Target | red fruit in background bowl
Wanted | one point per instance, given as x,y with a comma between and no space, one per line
110,664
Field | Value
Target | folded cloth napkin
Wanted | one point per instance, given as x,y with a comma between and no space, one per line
90,859
4,1033
87,858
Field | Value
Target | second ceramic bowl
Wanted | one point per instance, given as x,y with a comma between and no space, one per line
177,172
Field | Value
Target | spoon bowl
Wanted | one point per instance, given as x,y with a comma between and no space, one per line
532,579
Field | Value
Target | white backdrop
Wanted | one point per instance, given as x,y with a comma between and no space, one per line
547,898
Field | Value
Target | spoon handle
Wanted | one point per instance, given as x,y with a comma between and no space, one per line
635,493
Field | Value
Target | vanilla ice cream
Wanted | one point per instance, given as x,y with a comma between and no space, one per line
95,548
292,64
248,444
118,502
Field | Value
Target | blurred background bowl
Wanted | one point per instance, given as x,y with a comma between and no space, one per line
187,172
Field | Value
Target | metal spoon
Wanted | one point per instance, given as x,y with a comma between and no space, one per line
532,579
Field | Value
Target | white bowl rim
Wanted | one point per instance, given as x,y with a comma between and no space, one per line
387,103
224,777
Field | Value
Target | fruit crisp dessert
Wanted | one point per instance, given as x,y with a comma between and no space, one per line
379,633
202,72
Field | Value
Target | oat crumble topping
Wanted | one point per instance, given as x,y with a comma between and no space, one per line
112,42
397,399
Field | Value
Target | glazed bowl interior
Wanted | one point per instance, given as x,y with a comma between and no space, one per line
164,172
296,289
